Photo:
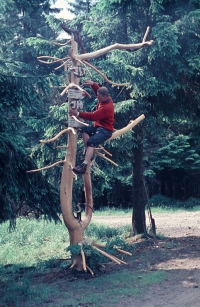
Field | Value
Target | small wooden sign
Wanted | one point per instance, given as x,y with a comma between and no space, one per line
76,104
75,93
79,71
73,123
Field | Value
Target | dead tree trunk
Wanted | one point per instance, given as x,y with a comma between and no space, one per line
76,226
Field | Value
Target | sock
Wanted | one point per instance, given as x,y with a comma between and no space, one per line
84,150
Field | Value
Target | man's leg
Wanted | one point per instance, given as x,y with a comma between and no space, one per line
89,154
85,138
81,169
90,142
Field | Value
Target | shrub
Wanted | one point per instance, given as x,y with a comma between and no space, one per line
167,202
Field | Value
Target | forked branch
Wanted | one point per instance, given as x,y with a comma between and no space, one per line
95,54
104,157
102,148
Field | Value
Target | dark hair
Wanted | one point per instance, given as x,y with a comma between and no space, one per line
103,91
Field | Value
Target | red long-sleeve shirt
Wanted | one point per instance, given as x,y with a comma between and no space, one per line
103,116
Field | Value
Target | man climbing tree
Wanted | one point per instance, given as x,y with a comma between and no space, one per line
77,224
102,129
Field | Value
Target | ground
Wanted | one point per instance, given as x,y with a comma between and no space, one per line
178,254
175,254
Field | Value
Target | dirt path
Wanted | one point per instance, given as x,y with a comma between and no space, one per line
176,256
179,256
171,224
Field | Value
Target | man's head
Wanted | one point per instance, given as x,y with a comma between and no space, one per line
102,94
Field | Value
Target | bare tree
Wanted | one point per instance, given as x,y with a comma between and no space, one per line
76,225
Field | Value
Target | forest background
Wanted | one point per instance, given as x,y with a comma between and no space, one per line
160,158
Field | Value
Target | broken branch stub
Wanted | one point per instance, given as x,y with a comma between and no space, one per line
130,125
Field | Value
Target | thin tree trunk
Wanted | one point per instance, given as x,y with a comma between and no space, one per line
138,215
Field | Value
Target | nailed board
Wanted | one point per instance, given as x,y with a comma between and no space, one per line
76,104
75,94
73,123
79,71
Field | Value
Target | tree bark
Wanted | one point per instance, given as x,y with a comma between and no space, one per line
138,215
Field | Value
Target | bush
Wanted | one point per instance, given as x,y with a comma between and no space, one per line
167,202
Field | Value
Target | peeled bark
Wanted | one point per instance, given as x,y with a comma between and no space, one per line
75,227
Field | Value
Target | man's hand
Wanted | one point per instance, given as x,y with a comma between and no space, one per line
88,82
73,112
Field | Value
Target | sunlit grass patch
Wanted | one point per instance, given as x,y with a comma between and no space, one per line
107,211
102,232
32,241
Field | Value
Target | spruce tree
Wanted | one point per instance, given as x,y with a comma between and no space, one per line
23,85
164,81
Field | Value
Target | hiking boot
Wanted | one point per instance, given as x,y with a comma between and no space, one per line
80,169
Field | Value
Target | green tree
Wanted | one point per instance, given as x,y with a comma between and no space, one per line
24,86
164,79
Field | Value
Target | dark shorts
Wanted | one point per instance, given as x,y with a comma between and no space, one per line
97,135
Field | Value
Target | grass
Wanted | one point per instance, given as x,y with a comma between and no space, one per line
106,211
37,249
32,241
174,209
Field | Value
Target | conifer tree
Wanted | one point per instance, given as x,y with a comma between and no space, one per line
23,89
164,82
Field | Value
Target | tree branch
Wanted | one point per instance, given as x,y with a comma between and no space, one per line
76,35
131,124
104,157
107,255
58,135
78,121
55,60
71,85
95,54
100,73
46,167
145,35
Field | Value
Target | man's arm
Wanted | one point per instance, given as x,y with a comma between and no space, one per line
103,112
93,85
